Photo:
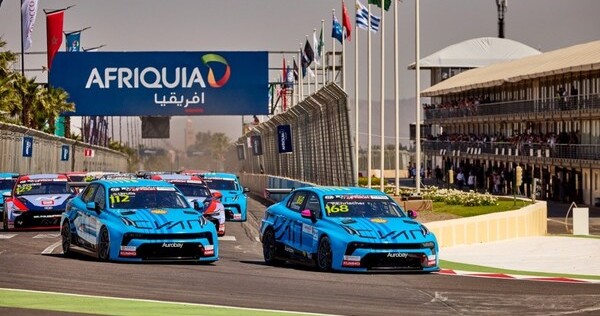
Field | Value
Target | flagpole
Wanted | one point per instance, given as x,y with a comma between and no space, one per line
356,134
316,49
321,41
22,46
307,69
343,57
369,183
301,75
397,101
418,100
382,104
333,50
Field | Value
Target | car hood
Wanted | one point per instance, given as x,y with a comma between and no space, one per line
44,202
165,220
386,229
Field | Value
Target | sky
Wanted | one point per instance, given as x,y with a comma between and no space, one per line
281,25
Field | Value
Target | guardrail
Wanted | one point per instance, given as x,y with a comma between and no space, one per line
23,150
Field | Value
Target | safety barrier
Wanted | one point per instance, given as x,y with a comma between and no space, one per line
321,144
530,220
24,150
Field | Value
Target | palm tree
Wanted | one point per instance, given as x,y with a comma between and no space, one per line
30,94
219,143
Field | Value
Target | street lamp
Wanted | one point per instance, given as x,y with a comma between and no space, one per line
501,4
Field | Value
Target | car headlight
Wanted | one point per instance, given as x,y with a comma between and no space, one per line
350,230
127,221
202,221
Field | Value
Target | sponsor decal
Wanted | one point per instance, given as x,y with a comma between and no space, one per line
209,250
307,228
48,202
237,216
351,261
379,220
397,255
128,251
288,249
172,245
158,211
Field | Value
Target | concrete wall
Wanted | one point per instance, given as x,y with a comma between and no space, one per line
528,221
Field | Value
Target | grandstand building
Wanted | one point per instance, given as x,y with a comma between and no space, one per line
540,112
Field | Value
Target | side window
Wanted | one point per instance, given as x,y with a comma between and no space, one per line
296,202
100,197
88,194
312,203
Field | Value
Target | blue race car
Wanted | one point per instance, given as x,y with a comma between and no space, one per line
137,220
348,229
7,182
234,197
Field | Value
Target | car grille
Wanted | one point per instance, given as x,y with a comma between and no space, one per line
127,237
156,251
38,219
377,246
381,261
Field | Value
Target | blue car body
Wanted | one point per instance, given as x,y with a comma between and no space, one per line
234,197
137,220
347,229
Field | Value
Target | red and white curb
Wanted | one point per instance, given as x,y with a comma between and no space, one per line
514,276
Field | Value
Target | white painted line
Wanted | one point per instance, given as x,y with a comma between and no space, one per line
227,238
7,236
46,236
51,248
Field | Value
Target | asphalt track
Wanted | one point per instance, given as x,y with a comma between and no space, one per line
241,279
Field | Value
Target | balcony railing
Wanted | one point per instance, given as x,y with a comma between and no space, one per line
516,107
564,151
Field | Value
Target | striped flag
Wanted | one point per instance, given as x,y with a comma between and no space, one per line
362,18
28,13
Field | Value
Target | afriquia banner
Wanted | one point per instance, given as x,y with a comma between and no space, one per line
284,139
256,145
72,42
163,83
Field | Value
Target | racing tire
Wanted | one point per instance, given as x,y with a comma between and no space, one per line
270,249
67,239
324,255
104,244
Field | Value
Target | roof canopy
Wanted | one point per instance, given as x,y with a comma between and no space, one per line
477,52
583,57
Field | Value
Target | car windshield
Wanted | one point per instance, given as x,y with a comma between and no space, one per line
41,187
195,190
76,177
220,184
146,197
7,184
368,206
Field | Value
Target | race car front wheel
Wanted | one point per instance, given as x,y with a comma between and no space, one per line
103,244
324,255
270,248
65,233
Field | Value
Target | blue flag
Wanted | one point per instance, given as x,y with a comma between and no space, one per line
336,30
72,43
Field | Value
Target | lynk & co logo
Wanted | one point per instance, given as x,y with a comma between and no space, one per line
159,78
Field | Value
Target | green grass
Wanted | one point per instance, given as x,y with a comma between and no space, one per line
467,211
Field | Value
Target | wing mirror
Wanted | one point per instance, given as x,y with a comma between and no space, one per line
308,214
412,214
197,206
93,206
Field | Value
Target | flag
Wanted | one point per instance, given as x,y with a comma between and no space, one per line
28,14
72,43
316,45
378,3
284,72
336,30
309,53
290,77
346,21
320,46
362,18
295,70
305,62
54,31
0,3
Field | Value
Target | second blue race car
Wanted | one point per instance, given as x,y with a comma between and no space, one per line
348,229
137,220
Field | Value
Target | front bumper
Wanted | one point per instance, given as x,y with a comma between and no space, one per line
194,247
34,219
399,257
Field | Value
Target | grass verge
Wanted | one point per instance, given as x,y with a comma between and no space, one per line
483,269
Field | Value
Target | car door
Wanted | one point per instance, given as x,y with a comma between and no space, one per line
308,231
82,219
296,205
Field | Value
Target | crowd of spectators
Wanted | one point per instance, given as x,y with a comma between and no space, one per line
516,138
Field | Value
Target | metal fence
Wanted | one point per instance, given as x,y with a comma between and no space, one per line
321,142
46,153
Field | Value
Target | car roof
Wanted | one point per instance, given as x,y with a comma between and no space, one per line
327,190
220,175
8,175
133,183
43,176
175,176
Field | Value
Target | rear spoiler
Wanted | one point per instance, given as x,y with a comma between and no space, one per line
269,191
78,184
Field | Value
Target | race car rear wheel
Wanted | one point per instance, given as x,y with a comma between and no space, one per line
270,248
65,233
324,255
103,244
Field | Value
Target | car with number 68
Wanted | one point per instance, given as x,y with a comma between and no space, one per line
346,229
137,220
